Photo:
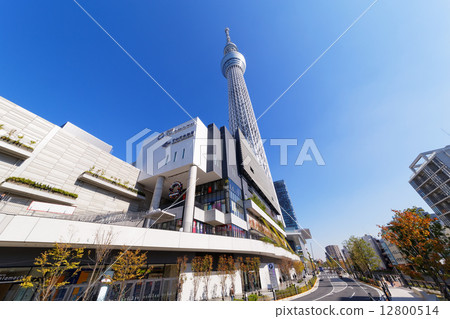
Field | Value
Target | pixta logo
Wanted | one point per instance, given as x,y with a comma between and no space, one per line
309,148
140,149
150,151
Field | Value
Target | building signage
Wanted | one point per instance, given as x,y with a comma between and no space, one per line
5,278
273,276
179,139
175,190
176,130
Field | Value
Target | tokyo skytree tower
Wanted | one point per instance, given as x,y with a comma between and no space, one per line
240,109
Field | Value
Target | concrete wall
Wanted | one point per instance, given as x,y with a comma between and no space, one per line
60,157
254,170
214,286
230,165
156,156
31,231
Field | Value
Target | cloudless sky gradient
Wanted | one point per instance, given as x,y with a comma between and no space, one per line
375,101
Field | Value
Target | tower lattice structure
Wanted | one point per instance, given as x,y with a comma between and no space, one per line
240,109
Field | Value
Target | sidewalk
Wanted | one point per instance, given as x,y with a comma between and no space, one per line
405,294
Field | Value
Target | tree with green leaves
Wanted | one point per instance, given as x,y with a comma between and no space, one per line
362,254
56,266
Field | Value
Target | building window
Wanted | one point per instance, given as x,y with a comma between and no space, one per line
175,156
182,155
202,228
238,232
235,197
211,196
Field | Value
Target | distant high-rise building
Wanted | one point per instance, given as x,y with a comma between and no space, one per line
431,179
393,253
333,252
286,205
375,245
346,254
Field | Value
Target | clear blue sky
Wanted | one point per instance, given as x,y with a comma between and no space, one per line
378,98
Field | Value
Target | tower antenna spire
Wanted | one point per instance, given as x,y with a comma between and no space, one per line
227,32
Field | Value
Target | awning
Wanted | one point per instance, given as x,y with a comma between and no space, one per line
160,215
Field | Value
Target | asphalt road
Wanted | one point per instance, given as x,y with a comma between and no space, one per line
333,288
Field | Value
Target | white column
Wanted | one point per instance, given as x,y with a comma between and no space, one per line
156,199
188,217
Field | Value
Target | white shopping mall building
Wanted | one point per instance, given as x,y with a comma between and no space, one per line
215,213
192,190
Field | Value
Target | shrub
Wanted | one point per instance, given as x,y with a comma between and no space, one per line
33,184
16,142
369,281
114,180
291,291
258,203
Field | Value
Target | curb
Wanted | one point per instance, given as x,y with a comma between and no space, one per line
425,296
380,291
313,288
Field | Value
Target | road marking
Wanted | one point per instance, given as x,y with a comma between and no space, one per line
332,291
352,296
370,287
326,294
346,285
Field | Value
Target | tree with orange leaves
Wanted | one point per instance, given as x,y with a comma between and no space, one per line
422,242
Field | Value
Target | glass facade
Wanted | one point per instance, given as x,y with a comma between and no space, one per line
170,225
159,284
285,202
225,196
222,230
235,200
211,196
250,279
238,232
222,195
202,228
